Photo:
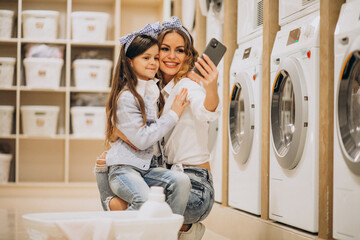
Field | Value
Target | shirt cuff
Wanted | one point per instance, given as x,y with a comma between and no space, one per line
174,115
211,116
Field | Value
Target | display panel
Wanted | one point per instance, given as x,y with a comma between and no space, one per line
246,53
294,36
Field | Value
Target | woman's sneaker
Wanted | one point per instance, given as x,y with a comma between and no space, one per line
195,232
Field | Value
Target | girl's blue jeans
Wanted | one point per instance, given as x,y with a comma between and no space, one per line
132,185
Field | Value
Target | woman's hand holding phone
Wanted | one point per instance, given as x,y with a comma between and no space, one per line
210,74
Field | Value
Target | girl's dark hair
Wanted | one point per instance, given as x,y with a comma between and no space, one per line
125,79
190,51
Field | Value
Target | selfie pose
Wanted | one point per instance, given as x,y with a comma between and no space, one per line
132,109
185,147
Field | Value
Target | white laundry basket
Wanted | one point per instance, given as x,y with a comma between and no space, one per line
7,66
89,26
6,23
88,121
92,73
40,24
5,160
6,119
101,225
39,120
43,72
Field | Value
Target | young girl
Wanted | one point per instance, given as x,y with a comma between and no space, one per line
132,111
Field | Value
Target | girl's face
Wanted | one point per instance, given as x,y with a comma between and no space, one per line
172,55
146,64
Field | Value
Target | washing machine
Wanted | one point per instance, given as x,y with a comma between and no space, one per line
294,124
250,20
214,12
244,128
346,208
290,10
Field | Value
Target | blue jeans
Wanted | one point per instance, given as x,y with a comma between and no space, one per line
201,197
132,185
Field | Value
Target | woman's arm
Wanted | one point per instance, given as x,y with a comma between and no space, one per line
197,97
208,69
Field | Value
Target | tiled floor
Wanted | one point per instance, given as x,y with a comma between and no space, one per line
11,211
223,223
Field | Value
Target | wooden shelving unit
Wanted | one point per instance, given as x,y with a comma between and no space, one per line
63,159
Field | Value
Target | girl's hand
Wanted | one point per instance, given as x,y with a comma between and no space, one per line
208,69
180,102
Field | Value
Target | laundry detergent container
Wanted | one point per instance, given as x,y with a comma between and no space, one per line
5,160
88,121
7,66
6,119
124,225
89,26
43,72
92,74
39,120
6,23
40,24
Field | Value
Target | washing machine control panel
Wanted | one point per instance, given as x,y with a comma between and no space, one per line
296,37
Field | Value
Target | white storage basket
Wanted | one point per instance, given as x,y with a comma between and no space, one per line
5,160
89,26
43,72
88,121
6,119
39,120
7,66
92,73
6,23
40,24
90,225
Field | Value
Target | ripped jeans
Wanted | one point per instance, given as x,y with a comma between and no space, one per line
201,199
176,185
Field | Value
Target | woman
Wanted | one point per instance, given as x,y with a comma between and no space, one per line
185,147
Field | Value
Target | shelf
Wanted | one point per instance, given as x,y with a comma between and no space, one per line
13,88
94,44
9,40
74,89
28,89
56,41
12,136
56,137
87,138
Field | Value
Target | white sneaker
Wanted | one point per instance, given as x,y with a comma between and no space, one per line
195,232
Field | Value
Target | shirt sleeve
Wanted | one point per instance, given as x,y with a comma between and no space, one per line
196,96
130,122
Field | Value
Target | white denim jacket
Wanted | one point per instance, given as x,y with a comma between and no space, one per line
129,122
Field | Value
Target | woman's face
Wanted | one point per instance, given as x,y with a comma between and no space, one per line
172,55
146,64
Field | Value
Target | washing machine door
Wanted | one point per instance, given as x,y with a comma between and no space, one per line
348,109
241,118
288,115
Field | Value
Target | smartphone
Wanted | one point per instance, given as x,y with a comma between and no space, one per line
215,50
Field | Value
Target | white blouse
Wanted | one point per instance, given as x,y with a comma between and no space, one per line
187,142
